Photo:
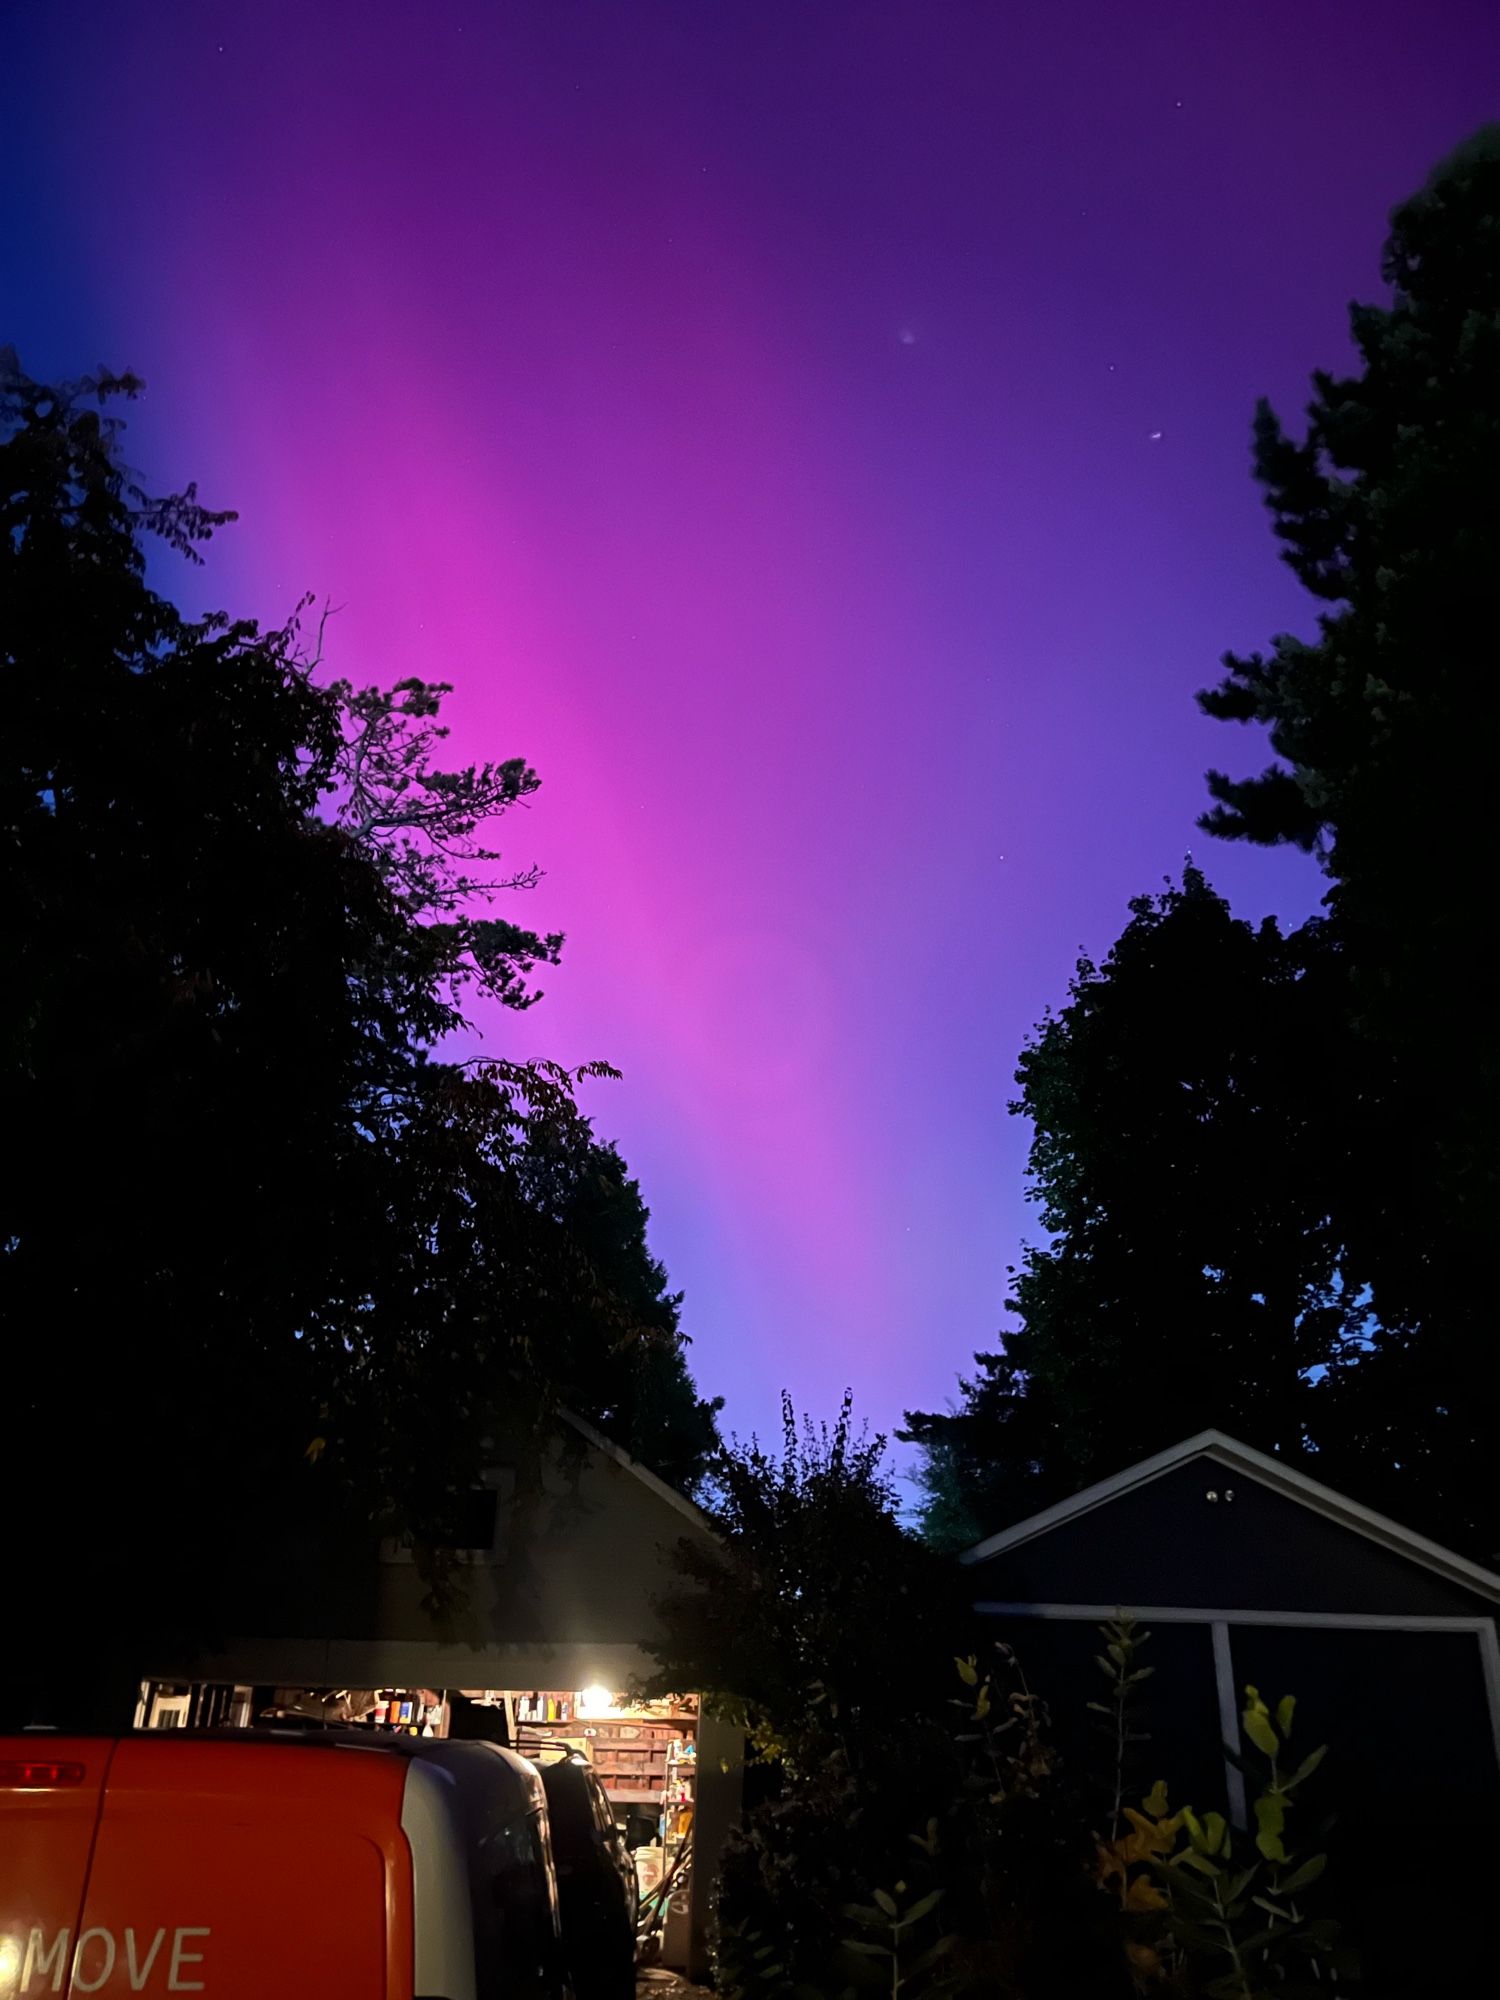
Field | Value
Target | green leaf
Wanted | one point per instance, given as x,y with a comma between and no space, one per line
1272,1909
1308,1765
865,1948
1214,1828
931,1956
1270,1812
1286,1708
1258,1728
923,1904
1258,1940
1299,1878
886,1901
968,1672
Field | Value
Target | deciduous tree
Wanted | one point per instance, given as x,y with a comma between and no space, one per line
264,1251
1190,1107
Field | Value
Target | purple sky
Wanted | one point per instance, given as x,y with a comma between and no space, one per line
816,435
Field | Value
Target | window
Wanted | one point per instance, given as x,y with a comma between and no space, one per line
477,1525
478,1518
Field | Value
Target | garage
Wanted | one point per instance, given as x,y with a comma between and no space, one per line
1247,1571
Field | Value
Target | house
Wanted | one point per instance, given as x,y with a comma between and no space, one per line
570,1545
1247,1571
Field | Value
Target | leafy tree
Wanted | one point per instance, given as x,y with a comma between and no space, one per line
1189,1106
905,1813
263,1253
809,1618
1383,726
639,1390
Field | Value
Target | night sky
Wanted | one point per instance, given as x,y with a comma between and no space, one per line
816,435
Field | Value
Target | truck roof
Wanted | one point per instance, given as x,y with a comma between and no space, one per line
243,1862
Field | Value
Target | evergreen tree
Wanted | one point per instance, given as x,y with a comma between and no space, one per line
1384,728
1327,1224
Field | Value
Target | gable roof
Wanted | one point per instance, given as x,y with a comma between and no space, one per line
688,1510
1282,1478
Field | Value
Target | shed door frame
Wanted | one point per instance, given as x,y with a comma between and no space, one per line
1219,1622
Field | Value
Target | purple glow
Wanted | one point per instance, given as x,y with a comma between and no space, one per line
816,437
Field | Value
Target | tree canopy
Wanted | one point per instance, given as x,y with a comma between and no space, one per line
1383,726
257,1233
1193,1272
1268,1166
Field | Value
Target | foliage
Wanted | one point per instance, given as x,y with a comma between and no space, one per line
1124,1870
815,1620
826,1629
1197,1915
893,1957
1015,1846
636,1386
1118,1663
1190,1108
1235,1923
421,827
1271,1162
250,1217
945,1510
1388,510
825,1892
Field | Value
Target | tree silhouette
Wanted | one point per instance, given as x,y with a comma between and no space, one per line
263,1250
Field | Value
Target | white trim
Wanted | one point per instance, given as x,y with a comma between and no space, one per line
1229,1721
1285,1479
1489,1653
441,1911
1197,1614
647,1477
1482,1628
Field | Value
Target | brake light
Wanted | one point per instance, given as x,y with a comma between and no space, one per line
35,1774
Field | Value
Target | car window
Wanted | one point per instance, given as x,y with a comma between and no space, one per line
570,1807
518,1928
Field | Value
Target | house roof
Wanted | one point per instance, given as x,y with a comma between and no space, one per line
647,1477
1248,1463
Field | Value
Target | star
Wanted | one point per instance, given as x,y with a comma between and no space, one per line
1155,437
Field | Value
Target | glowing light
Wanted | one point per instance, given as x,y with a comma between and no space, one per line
597,1701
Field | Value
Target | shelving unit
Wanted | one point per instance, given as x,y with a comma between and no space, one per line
644,1757
631,1757
680,1793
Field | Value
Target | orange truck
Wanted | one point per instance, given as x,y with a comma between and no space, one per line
251,1867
